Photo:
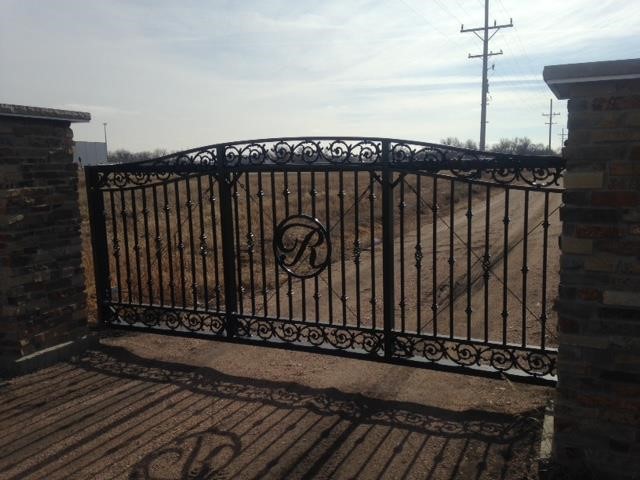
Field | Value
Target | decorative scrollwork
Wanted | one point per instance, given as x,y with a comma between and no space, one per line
537,171
119,179
341,338
470,354
537,363
167,319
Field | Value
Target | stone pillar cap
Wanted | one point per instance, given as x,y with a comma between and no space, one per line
8,110
560,78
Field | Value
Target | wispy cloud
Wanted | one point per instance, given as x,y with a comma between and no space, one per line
179,74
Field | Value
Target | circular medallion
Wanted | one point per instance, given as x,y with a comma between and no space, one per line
301,245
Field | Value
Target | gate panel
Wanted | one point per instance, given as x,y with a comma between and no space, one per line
328,300
481,296
162,250
398,251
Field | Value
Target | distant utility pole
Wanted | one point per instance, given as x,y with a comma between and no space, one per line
104,124
485,55
550,122
562,135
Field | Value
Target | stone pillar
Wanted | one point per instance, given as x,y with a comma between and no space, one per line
597,408
42,292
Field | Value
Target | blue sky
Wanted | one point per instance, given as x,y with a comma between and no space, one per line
180,74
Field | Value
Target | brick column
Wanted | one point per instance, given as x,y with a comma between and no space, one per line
42,293
597,409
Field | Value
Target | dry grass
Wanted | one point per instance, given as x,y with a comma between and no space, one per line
87,254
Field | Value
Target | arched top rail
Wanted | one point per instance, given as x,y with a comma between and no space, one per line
352,153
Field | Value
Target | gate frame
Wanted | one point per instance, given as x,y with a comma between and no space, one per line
464,163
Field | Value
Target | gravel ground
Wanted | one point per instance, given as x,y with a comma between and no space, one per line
152,407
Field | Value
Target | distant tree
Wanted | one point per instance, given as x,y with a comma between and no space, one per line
520,146
455,142
516,146
125,156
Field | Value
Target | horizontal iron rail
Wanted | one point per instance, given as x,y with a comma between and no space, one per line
445,366
494,184
324,168
423,165
421,336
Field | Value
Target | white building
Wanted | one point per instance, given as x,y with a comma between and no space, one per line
90,153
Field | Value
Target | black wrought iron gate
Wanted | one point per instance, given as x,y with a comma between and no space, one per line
385,249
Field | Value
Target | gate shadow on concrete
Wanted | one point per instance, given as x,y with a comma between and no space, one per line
112,414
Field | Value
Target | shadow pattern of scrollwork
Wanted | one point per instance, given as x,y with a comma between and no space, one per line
195,456
482,425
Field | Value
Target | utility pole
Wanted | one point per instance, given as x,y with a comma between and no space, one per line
485,55
562,135
104,124
550,122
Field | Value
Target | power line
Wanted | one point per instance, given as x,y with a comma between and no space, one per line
429,22
541,87
550,122
447,11
486,53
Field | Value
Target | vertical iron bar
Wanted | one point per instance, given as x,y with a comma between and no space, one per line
525,267
125,233
145,217
327,195
238,250
204,247
228,250
486,263
158,242
303,286
273,231
97,222
372,240
136,245
192,253
469,246
505,271
418,254
387,250
167,223
262,252
176,189
401,206
356,246
214,240
316,293
116,242
543,316
342,258
434,254
286,192
250,242
452,258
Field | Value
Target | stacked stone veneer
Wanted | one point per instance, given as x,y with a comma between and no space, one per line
597,409
42,293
